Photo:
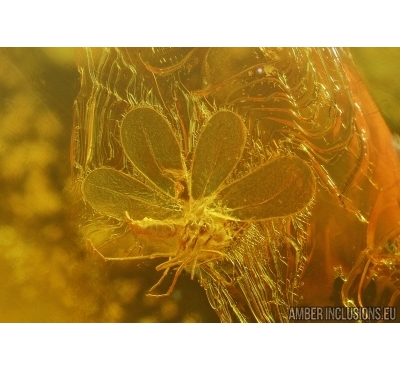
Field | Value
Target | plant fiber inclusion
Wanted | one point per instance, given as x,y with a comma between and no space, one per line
194,210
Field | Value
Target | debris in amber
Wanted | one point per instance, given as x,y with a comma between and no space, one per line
267,175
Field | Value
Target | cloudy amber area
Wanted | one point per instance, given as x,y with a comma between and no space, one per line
378,67
47,273
342,249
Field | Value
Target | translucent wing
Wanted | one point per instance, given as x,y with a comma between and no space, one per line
151,145
218,150
113,193
279,188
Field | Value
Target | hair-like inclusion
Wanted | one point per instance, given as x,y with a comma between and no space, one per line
220,162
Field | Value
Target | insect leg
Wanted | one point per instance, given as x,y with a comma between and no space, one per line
361,283
172,286
158,283
216,275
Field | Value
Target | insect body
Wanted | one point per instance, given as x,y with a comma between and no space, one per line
189,213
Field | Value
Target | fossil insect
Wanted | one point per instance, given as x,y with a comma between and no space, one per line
190,214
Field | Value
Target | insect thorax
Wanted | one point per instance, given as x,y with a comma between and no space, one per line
198,238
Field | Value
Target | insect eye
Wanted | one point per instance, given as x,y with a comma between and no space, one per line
204,229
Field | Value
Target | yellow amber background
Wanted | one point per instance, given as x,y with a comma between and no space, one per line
47,273
379,68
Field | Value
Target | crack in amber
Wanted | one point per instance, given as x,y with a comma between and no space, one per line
218,208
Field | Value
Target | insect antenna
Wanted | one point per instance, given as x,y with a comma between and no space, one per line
132,258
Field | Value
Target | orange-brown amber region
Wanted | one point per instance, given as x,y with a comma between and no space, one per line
265,174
